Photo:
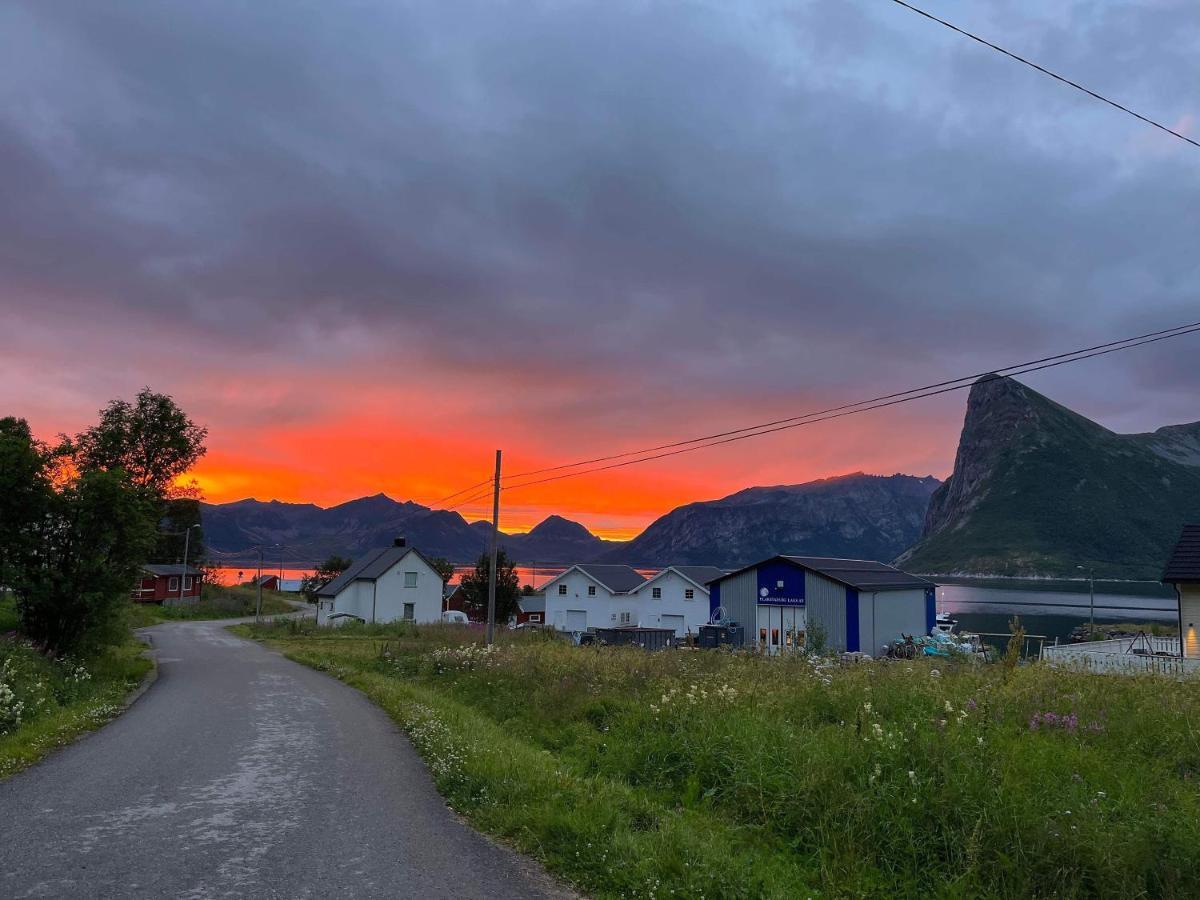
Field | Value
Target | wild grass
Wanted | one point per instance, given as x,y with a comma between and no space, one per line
45,703
216,602
722,775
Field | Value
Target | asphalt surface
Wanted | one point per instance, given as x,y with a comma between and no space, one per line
241,774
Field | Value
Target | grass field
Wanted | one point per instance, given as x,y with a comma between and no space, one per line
706,774
216,602
47,703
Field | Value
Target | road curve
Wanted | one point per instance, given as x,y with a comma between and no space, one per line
242,774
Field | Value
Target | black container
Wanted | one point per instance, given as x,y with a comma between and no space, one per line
646,638
714,636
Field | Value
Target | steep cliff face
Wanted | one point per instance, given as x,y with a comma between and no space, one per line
855,515
1038,489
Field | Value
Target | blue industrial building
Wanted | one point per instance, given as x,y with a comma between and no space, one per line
859,604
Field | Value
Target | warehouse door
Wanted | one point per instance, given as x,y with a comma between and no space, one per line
576,620
676,622
780,629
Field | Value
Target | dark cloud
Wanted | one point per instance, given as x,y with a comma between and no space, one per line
751,199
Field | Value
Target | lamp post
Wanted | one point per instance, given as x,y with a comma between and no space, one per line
187,537
1092,604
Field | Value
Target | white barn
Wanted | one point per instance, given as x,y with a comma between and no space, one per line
385,585
592,596
677,597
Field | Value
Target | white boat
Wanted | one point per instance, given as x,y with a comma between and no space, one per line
945,623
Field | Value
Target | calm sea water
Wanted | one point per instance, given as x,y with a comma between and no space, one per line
1050,613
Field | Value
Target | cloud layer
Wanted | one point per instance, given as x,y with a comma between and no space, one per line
368,242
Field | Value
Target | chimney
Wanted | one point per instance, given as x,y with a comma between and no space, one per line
399,542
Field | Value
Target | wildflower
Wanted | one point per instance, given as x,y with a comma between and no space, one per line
949,708
980,740
935,673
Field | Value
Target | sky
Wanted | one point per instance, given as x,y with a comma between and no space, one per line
368,243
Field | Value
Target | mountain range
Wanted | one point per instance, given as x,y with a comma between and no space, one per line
1038,489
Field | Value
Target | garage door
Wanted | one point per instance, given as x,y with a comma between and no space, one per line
676,622
576,620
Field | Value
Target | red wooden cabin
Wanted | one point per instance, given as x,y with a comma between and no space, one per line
161,583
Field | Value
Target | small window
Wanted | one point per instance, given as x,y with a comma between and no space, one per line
187,582
779,584
173,583
625,618
410,579
535,617
562,590
591,590
410,610
689,594
656,593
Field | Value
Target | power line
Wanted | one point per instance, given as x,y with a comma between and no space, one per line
833,409
908,396
1045,71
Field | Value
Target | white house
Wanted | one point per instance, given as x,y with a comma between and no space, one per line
677,597
393,583
592,596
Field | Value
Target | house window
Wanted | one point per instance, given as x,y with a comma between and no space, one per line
410,610
562,590
656,593
591,590
535,617
689,594
625,618
173,583
187,582
410,579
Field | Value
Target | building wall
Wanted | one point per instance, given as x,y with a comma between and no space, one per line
739,596
674,602
887,616
826,601
391,592
600,610
156,589
1189,617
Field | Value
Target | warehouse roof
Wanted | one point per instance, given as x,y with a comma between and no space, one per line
373,564
1184,564
860,574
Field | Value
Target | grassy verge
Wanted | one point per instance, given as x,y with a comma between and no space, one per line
718,775
47,703
216,602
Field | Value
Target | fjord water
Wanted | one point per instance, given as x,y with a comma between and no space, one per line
1053,613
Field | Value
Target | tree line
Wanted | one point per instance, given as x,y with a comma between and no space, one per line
80,516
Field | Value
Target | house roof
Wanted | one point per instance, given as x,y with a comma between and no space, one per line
860,574
618,579
175,569
1184,564
531,603
373,564
697,575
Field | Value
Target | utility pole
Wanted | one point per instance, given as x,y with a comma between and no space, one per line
491,623
187,536
1092,586
258,607
281,567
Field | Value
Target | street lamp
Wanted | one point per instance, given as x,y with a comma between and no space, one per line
187,537
1092,584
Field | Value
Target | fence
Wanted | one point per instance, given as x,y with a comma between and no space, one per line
1126,656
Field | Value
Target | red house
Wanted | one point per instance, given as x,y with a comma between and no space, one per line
268,582
158,584
532,609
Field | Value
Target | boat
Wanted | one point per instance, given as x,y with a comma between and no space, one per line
945,623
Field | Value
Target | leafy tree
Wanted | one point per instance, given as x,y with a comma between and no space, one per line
327,571
443,567
474,588
25,493
93,541
151,439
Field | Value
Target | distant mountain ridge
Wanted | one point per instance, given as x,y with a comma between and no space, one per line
312,533
856,515
1038,489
